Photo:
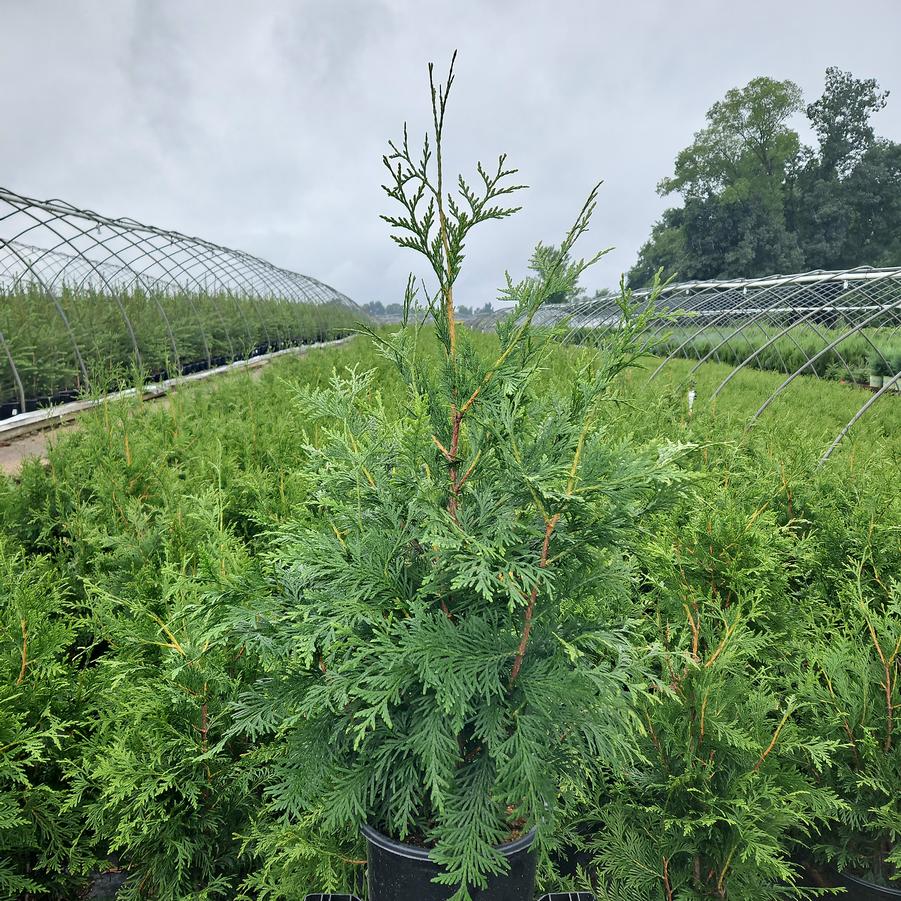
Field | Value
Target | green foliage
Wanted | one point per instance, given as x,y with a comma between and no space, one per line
548,258
41,711
445,674
152,332
853,219
879,365
853,676
154,512
841,119
138,511
158,779
870,349
756,202
746,145
727,787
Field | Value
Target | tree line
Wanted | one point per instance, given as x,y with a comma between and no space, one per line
396,310
756,201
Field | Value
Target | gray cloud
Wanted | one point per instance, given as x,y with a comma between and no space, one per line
263,126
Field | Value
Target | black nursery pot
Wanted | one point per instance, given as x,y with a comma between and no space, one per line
861,890
398,872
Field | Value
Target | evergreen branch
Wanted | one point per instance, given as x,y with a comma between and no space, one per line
470,469
24,625
722,645
174,643
438,110
887,665
530,609
446,453
576,231
769,748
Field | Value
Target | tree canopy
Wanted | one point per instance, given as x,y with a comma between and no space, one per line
746,142
756,201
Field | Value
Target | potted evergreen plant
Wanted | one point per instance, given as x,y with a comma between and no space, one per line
853,673
878,370
895,370
442,672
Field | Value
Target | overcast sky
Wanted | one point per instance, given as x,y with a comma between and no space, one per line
262,125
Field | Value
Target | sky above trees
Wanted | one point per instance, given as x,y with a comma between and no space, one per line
262,126
756,201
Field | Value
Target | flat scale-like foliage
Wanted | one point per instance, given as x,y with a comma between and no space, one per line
40,725
853,677
441,680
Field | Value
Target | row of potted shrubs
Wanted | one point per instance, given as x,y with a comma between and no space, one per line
883,372
88,340
496,633
840,354
763,657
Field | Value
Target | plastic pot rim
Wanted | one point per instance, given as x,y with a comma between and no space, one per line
886,890
412,852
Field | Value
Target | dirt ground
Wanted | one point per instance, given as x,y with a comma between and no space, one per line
13,453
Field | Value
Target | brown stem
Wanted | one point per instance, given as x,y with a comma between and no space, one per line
24,626
846,725
452,457
530,609
695,630
854,752
773,741
666,883
703,713
468,473
887,685
722,877
526,632
444,451
721,646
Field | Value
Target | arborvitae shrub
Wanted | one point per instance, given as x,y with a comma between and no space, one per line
42,848
441,672
159,781
851,671
726,787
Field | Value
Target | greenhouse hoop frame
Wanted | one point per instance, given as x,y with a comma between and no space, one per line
842,324
83,294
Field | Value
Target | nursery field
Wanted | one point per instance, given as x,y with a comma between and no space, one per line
873,351
94,340
144,572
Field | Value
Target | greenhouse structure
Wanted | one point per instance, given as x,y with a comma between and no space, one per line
89,303
842,325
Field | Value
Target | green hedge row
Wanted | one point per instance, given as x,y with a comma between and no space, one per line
154,332
852,359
